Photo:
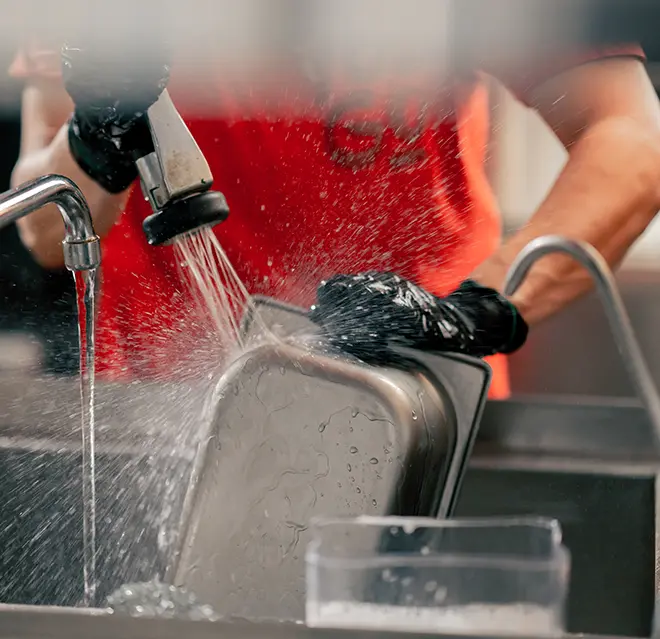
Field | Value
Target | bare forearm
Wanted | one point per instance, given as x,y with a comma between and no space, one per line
607,195
42,232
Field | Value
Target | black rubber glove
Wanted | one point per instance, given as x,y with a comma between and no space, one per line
111,93
364,313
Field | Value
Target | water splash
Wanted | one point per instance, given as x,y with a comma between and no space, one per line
158,600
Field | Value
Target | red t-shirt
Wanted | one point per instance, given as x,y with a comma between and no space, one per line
311,196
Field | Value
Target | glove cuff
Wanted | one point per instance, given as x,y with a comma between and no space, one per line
491,322
519,331
108,160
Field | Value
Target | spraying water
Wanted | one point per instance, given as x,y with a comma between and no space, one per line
222,300
217,289
86,282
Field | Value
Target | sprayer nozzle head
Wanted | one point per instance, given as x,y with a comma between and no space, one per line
184,216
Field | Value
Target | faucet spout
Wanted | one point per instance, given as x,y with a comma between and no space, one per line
81,245
615,310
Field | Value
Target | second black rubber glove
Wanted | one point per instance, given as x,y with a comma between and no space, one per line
111,93
365,313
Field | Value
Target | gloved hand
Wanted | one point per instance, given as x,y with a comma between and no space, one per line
364,313
111,93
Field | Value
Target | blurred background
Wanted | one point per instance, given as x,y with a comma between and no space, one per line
572,354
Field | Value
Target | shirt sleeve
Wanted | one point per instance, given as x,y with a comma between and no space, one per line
521,82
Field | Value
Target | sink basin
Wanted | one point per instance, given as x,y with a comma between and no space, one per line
145,446
590,465
593,466
30,622
41,525
608,521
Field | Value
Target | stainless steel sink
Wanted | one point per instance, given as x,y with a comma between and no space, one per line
17,622
590,465
608,521
145,447
29,622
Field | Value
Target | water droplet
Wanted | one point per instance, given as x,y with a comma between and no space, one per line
353,450
374,502
406,581
414,415
425,550
338,484
431,586
322,426
373,460
394,531
388,576
350,429
358,490
282,370
349,468
354,412
440,595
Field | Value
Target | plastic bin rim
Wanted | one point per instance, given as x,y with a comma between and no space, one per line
557,561
413,523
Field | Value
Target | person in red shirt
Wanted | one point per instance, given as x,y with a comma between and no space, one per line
314,195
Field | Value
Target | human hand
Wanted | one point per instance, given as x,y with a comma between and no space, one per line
111,93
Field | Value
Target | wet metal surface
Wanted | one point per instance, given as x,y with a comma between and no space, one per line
18,622
588,465
301,432
139,499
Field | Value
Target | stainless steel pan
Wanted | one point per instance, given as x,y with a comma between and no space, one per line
300,431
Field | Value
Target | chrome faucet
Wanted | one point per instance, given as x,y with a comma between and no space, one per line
81,245
615,310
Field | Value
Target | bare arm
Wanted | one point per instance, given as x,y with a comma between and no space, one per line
45,149
607,115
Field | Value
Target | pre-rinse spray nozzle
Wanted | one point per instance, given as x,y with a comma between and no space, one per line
176,179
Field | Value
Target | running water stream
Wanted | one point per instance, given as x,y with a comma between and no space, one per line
222,299
217,289
86,284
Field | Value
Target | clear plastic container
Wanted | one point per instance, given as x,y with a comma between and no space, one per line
498,576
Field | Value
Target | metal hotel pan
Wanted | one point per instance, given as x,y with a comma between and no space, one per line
301,432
